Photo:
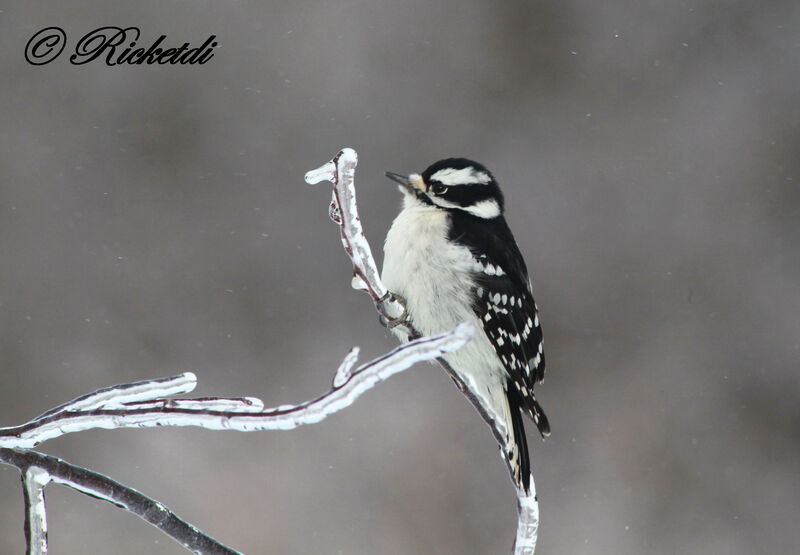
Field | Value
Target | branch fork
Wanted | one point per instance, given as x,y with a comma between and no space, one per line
150,403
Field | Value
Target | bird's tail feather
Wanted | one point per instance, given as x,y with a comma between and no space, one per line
517,450
534,410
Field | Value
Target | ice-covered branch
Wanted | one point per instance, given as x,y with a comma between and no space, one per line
137,405
38,469
340,171
34,479
344,212
149,403
527,521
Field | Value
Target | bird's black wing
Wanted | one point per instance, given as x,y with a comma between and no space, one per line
506,308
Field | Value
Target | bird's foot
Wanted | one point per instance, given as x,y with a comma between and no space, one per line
401,320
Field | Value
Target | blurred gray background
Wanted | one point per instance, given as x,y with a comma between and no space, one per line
154,219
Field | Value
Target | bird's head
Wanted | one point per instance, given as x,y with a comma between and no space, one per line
454,184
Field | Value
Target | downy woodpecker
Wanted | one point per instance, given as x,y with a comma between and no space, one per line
451,257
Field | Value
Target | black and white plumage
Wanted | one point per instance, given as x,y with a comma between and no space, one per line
452,257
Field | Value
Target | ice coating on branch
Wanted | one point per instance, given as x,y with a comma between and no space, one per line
358,284
35,479
129,393
333,211
344,212
206,413
38,476
326,172
221,404
464,332
343,373
94,492
528,521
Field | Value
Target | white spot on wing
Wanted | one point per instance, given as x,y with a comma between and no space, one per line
488,269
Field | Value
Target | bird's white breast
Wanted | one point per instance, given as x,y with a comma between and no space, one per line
434,276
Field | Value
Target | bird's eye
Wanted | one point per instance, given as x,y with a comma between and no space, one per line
438,189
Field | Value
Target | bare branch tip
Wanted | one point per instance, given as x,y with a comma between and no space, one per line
326,172
187,381
329,171
345,370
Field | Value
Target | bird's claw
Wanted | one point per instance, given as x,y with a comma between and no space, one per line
401,320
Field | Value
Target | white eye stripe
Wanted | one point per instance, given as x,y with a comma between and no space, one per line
464,176
487,208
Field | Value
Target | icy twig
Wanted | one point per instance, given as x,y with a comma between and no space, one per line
133,392
38,469
140,405
528,521
340,171
244,415
344,371
34,479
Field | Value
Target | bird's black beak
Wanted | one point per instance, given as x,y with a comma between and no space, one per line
409,184
401,179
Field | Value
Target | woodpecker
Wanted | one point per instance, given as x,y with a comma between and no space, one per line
450,256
